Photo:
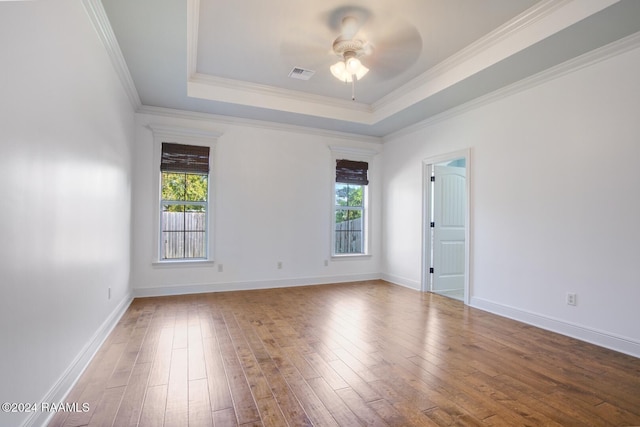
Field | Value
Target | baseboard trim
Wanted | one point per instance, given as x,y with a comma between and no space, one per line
402,281
70,377
249,285
590,335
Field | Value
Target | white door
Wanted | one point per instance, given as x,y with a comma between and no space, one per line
449,210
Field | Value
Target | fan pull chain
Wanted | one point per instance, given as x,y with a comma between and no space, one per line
353,88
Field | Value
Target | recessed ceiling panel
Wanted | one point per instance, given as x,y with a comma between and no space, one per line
260,42
234,58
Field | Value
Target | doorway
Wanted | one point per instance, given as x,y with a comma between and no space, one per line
446,226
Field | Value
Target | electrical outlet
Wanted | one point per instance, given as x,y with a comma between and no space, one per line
279,265
220,268
326,263
108,293
572,299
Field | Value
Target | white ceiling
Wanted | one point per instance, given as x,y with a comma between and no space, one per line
233,57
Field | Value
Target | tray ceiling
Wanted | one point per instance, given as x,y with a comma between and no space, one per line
233,58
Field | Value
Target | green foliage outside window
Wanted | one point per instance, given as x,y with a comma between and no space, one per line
184,187
349,196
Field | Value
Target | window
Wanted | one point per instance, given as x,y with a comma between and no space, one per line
350,208
184,202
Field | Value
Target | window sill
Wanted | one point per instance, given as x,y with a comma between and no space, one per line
349,257
184,263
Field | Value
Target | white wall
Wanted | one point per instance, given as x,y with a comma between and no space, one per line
273,188
555,201
66,134
555,205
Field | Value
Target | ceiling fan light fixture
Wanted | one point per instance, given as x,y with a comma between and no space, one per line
351,62
349,69
346,69
361,71
339,71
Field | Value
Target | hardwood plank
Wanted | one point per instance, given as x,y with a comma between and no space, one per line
326,371
149,345
129,411
287,399
315,409
177,409
365,353
335,405
270,412
181,330
199,405
206,323
153,408
608,411
162,359
243,403
120,375
274,368
483,401
354,381
363,410
219,391
324,350
560,409
197,367
108,405
303,407
300,362
389,413
247,356
407,408
224,418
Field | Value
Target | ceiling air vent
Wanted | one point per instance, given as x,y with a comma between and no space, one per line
301,73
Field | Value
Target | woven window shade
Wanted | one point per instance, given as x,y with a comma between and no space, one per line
352,172
184,158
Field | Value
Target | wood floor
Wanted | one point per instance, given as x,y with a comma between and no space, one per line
366,353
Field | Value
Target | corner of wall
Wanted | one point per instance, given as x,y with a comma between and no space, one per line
402,281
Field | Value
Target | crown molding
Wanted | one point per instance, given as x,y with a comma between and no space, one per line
534,14
573,65
102,26
267,90
162,130
260,124
533,25
361,153
269,97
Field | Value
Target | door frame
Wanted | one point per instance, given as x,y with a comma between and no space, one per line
427,172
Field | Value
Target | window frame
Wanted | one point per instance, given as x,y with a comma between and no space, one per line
185,136
361,155
166,202
365,223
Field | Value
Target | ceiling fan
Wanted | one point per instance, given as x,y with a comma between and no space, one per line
365,44
387,46
350,49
